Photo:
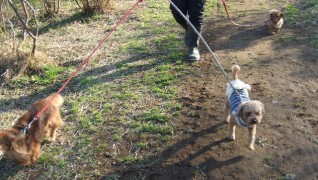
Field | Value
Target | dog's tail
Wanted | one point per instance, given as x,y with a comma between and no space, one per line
57,101
235,70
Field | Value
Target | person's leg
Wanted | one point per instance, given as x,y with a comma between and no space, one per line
182,6
195,12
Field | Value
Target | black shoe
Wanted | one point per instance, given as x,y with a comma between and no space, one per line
193,54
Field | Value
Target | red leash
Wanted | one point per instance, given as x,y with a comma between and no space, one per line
228,15
39,114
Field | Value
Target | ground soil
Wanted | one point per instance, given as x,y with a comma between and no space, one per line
283,74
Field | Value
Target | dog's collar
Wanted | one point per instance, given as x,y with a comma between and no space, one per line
240,122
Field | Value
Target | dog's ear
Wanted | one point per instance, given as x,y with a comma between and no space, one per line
38,134
8,138
240,110
22,121
19,146
260,104
5,140
263,107
281,15
271,16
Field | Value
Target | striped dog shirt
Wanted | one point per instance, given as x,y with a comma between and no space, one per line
236,97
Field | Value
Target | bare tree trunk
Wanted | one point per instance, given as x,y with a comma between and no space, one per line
36,30
54,6
34,36
58,6
14,48
26,19
82,8
1,13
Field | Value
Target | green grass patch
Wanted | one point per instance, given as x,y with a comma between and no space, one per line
312,3
107,108
127,159
287,37
155,128
53,157
126,96
291,12
315,43
88,81
167,138
47,76
154,116
159,79
141,145
304,17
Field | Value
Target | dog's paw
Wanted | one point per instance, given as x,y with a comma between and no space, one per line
51,139
231,137
251,146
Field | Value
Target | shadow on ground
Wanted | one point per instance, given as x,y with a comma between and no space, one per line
168,167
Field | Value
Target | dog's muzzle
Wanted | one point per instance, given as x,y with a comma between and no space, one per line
254,121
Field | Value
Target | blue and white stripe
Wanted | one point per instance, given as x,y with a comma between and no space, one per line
236,97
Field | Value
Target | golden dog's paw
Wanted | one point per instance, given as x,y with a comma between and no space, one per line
51,139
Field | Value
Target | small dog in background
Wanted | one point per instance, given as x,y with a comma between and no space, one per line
25,149
275,22
240,110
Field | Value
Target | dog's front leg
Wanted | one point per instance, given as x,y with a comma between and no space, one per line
273,30
52,136
251,136
227,111
231,135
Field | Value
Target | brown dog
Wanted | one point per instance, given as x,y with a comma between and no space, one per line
275,22
23,148
240,110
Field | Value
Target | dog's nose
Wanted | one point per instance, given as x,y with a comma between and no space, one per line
254,121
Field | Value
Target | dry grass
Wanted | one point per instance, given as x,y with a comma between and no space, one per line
17,62
91,6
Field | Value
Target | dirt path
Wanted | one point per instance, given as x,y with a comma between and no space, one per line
282,70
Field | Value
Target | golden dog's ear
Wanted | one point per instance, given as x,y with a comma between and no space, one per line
22,121
281,15
19,146
7,138
38,134
271,16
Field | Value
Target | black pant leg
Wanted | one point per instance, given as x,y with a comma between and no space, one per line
195,11
183,7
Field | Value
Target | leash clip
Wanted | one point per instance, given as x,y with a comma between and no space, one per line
27,127
25,131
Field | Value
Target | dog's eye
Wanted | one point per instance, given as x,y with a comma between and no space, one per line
257,113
